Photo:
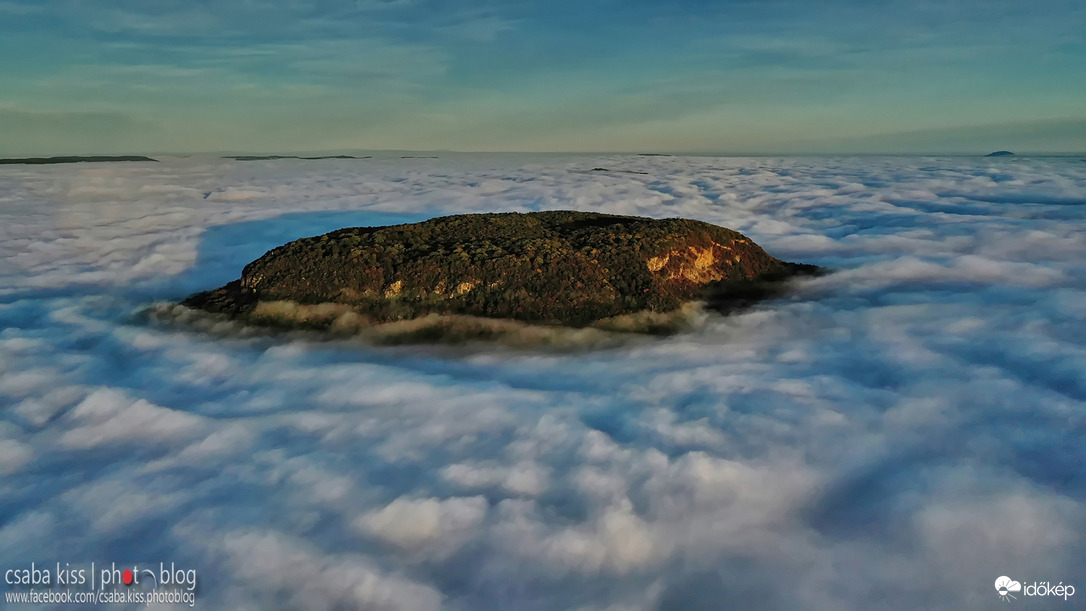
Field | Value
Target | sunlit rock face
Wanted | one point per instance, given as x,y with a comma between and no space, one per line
558,267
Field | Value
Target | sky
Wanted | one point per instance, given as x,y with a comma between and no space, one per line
767,76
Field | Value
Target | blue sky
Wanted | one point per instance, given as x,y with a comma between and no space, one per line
591,75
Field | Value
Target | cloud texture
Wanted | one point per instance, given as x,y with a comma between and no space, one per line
895,435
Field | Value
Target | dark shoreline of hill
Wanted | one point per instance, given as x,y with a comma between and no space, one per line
73,159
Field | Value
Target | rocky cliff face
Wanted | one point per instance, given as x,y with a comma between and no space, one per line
566,268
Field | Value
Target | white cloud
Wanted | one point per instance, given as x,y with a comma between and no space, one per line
523,478
13,455
289,573
108,417
616,541
436,526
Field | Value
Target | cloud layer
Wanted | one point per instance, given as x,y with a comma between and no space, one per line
895,435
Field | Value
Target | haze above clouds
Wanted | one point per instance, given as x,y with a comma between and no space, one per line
115,76
896,435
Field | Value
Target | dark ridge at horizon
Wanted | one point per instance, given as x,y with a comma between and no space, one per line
609,170
275,157
398,153
73,159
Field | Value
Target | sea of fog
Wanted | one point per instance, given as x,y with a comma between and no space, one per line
894,435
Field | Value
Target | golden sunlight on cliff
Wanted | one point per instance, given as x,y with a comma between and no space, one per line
692,263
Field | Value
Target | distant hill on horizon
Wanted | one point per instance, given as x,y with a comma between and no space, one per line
73,159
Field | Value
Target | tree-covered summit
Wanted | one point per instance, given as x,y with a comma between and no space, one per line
559,267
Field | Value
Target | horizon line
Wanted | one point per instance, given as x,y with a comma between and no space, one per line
645,153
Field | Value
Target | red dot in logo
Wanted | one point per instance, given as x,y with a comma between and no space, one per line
126,577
